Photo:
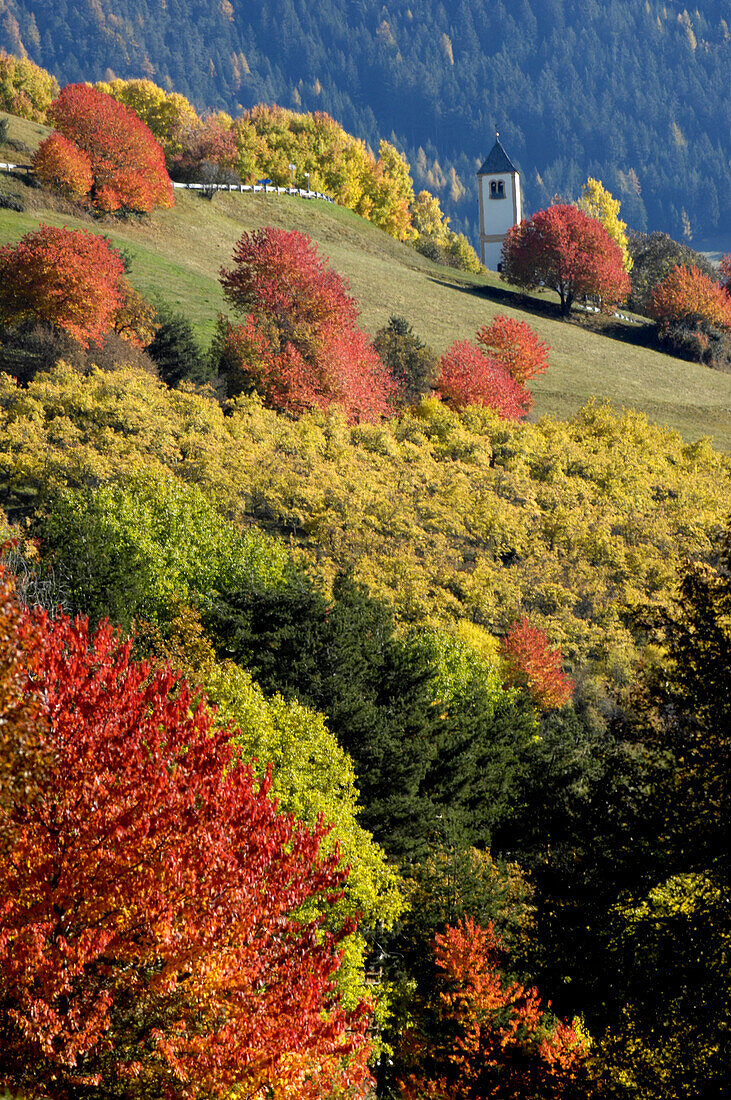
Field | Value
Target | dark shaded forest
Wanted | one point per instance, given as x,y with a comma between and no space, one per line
634,94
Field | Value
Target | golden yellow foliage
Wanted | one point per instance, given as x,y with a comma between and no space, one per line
598,203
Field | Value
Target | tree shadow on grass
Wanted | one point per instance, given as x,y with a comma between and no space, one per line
642,334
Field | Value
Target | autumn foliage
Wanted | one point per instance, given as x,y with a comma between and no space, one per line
158,933
686,296
300,346
25,88
22,750
468,376
64,167
533,664
108,140
205,142
516,346
64,277
567,250
491,1037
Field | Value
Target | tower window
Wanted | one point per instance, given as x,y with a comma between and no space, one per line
497,189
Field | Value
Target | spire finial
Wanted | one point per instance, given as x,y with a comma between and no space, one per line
497,135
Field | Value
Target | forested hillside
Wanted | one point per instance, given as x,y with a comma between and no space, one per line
635,94
360,737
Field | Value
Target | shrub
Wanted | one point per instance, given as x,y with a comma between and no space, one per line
725,266
64,167
469,377
654,255
688,297
516,346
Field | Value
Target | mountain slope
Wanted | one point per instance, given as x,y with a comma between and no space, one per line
636,94
177,254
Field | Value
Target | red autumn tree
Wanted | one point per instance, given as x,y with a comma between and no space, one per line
467,376
489,1037
65,277
300,346
565,249
534,665
64,167
688,297
157,927
516,346
127,164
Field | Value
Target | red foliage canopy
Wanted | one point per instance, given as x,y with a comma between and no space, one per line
532,663
565,249
21,746
687,296
64,167
301,346
516,346
127,164
493,1039
469,377
66,277
157,934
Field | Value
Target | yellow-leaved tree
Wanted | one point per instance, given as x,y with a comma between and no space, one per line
598,203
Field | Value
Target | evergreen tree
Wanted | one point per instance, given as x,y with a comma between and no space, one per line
411,364
344,659
175,351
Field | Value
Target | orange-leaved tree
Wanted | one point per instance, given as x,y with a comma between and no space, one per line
533,664
300,346
64,277
688,297
516,345
159,927
126,163
468,376
565,249
64,167
484,1035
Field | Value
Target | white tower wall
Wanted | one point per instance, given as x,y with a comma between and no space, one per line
501,204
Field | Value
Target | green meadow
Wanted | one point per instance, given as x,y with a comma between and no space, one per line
177,253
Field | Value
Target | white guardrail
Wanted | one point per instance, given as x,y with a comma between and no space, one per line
256,188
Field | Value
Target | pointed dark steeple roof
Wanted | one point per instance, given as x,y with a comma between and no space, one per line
498,161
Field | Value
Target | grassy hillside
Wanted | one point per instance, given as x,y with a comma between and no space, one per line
177,254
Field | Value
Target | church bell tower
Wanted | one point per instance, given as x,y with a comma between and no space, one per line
501,203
